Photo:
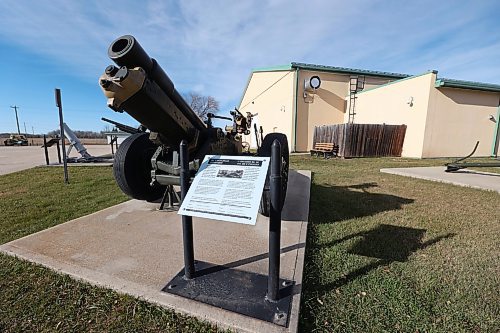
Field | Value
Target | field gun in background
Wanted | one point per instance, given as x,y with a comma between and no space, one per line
147,162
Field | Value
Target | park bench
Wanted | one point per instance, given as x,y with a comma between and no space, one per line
325,148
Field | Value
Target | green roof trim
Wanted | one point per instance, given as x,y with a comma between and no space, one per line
272,68
467,85
345,70
396,81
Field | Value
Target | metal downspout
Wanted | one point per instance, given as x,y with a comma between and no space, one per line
296,109
496,134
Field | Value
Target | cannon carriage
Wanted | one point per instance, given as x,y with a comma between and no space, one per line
147,163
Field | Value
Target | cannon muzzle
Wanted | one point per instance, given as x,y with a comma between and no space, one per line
141,88
146,165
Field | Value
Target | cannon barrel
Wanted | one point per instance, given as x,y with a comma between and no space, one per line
142,89
122,127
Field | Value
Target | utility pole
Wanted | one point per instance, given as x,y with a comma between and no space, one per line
17,119
25,132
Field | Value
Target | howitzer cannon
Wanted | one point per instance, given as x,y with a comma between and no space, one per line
146,163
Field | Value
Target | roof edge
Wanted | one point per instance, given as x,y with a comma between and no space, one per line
471,85
397,81
272,68
346,70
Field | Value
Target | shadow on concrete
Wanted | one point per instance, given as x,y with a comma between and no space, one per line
241,262
296,207
236,290
337,203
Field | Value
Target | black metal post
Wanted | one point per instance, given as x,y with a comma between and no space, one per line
46,149
187,221
274,224
58,152
61,129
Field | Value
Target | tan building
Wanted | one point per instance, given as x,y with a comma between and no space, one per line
444,117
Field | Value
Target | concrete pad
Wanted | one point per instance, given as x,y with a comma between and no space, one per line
468,178
17,158
135,249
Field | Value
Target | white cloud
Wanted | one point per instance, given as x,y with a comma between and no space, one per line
211,46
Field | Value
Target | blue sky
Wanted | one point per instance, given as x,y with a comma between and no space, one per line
211,46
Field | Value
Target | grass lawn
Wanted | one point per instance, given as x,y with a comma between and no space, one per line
384,253
35,299
393,254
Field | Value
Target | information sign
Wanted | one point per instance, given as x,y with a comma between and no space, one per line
227,188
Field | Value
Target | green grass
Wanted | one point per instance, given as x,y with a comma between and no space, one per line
35,199
393,254
384,254
36,299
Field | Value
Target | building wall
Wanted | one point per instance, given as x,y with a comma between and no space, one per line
389,104
457,119
270,94
327,106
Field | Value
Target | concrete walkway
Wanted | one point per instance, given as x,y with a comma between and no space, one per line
19,158
468,178
135,249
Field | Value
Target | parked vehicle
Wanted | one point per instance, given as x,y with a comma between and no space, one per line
16,140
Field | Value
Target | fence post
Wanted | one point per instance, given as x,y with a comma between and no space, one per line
45,148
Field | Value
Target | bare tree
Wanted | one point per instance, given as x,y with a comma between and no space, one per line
202,105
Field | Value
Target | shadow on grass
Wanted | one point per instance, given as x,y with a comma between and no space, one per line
385,243
337,203
388,243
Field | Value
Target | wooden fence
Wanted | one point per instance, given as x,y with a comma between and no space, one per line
363,140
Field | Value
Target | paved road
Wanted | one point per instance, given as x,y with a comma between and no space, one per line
468,178
14,159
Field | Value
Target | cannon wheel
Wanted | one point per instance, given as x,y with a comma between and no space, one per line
132,168
265,151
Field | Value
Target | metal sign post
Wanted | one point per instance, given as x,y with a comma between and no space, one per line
65,162
187,221
252,294
273,281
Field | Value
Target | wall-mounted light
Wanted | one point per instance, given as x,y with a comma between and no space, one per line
310,86
492,118
410,101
